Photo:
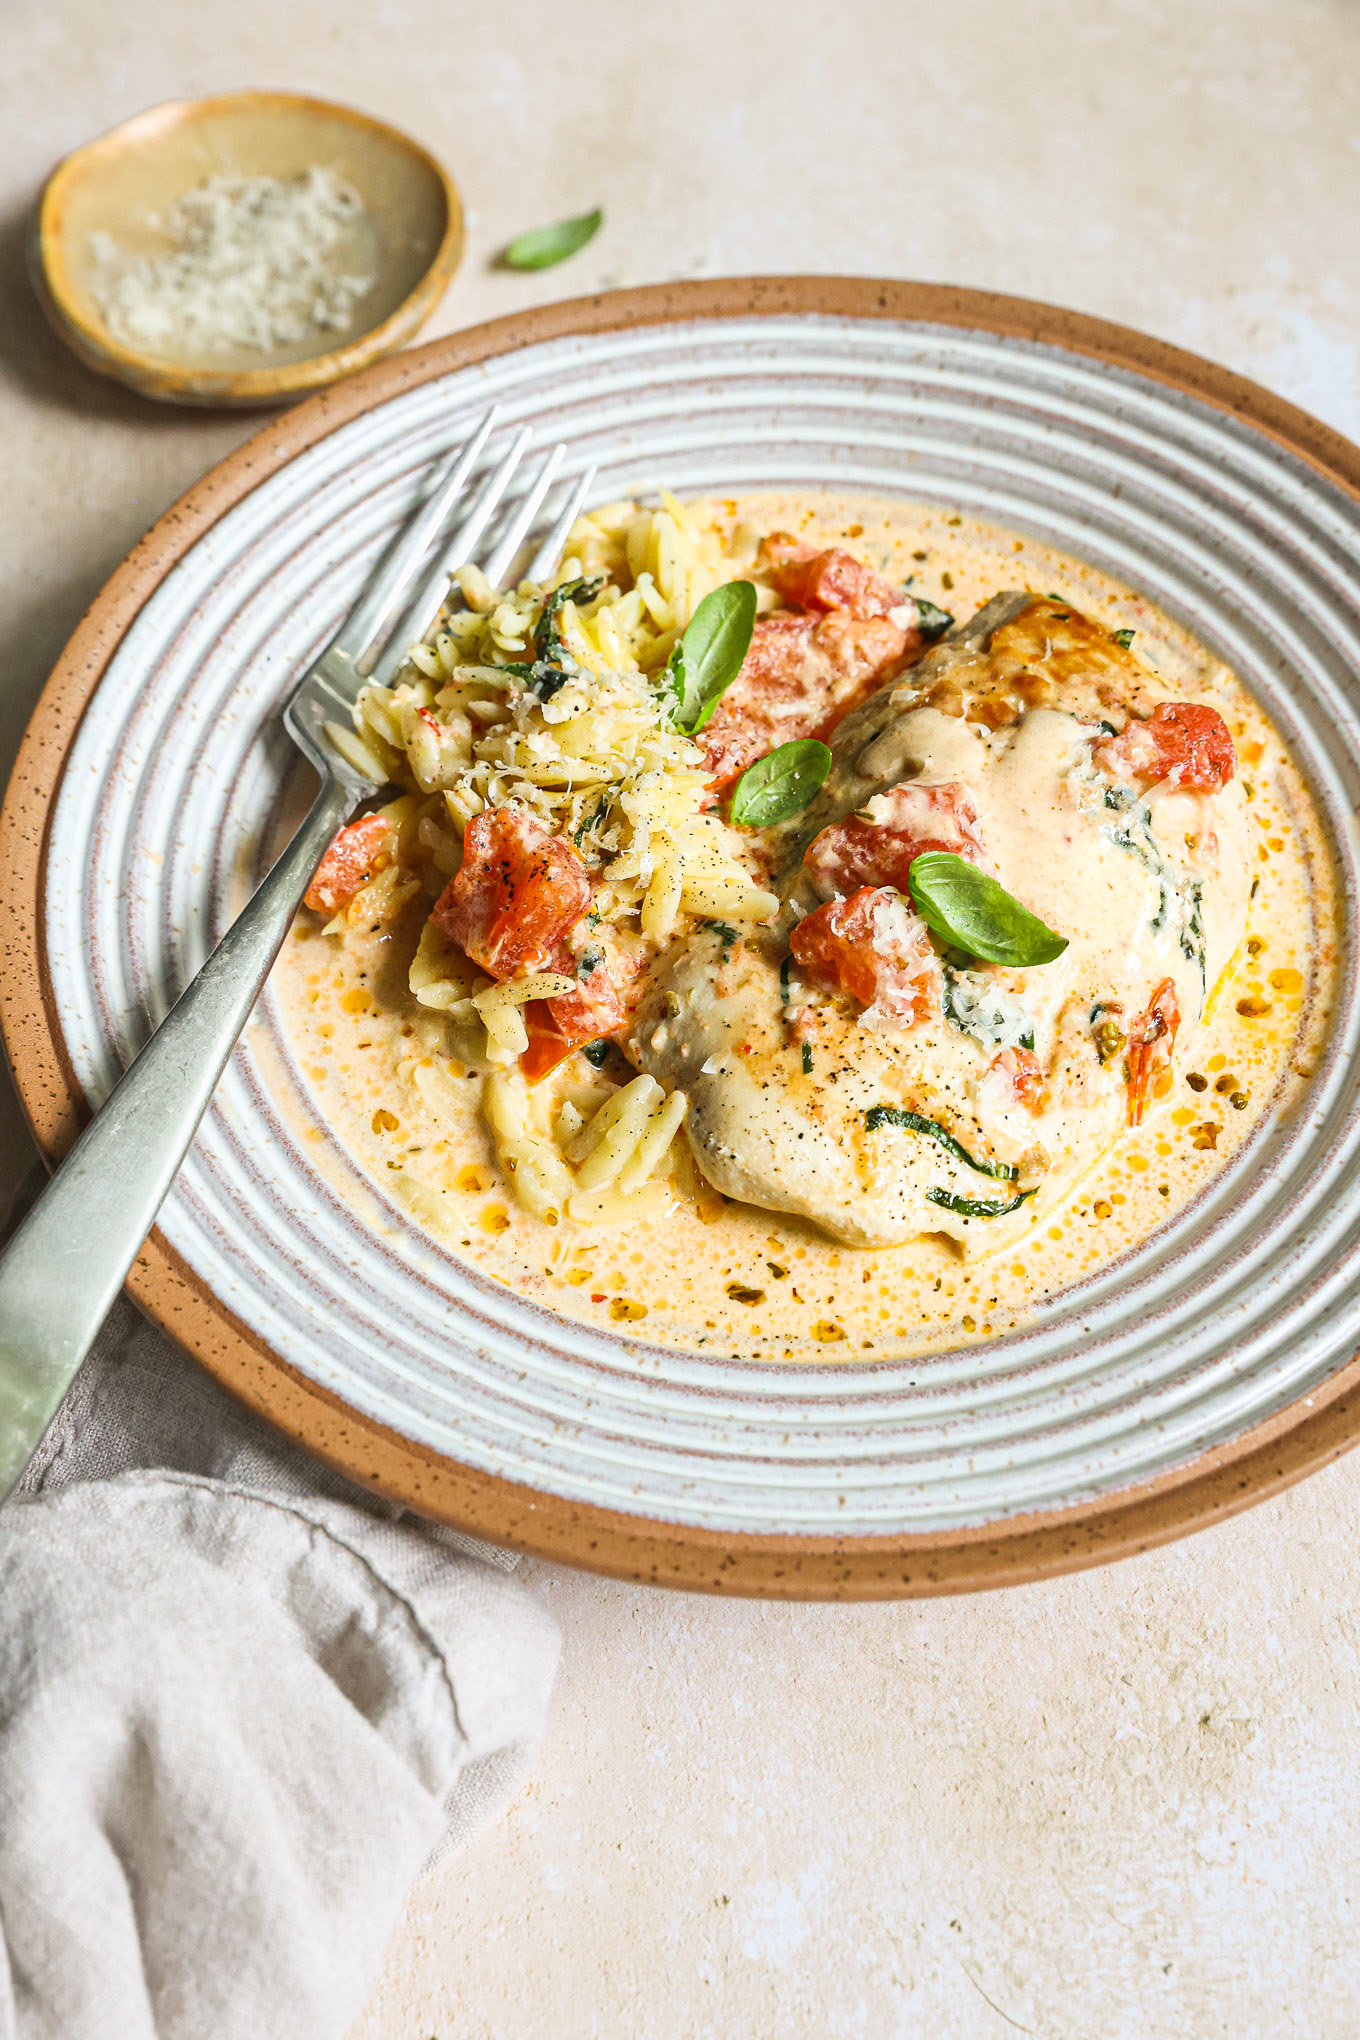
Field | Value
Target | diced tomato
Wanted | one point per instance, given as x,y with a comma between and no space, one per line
1151,1040
1180,739
1021,1070
906,821
767,704
828,580
800,676
516,897
548,1044
557,1027
873,947
359,852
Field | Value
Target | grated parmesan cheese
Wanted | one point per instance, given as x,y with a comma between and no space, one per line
995,1018
258,263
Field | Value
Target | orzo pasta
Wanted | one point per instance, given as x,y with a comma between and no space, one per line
1003,915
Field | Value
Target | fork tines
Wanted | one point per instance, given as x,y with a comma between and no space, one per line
457,550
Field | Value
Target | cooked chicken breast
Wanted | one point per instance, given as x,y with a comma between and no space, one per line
851,1067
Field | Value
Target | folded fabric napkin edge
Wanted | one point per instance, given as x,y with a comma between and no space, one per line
243,1705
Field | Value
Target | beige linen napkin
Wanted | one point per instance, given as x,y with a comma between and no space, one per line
242,1704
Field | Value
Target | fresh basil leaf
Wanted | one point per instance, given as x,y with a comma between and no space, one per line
780,784
1123,637
541,247
807,1058
708,657
931,620
595,1052
964,906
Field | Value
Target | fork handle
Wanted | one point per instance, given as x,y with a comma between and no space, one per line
66,1263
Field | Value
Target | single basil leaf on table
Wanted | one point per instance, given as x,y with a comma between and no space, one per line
965,906
709,656
931,620
541,247
780,784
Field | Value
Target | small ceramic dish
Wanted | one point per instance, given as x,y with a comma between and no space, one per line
120,183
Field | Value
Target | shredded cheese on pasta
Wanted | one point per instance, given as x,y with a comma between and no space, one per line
594,758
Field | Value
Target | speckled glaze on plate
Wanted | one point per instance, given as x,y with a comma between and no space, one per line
1198,1375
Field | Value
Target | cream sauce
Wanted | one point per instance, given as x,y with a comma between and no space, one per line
1143,893
728,1278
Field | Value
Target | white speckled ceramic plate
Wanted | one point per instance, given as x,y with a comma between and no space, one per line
1208,1367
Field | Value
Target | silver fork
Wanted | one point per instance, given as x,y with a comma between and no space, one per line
64,1265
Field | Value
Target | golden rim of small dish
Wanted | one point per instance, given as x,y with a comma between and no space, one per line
155,376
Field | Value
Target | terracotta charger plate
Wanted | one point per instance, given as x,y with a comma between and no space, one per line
1206,1370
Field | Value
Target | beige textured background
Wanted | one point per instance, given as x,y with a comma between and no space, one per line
1120,1807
